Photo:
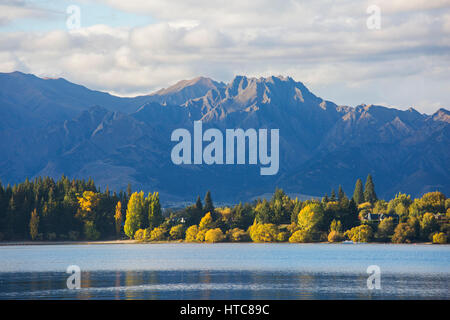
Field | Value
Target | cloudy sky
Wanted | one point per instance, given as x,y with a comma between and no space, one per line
334,47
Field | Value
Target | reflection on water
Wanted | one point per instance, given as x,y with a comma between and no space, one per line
225,271
219,285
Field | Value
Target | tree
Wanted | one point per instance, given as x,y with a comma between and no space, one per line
369,190
135,214
358,195
266,232
118,218
310,217
206,222
155,214
90,232
264,212
385,229
428,225
191,233
403,233
209,206
214,235
341,194
34,225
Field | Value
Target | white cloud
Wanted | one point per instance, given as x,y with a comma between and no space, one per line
323,44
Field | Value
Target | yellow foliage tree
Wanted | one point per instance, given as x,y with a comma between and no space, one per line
206,222
200,237
440,238
263,232
301,236
362,233
177,232
310,217
191,233
214,235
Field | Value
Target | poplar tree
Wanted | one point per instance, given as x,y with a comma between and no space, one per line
118,218
34,225
135,214
155,214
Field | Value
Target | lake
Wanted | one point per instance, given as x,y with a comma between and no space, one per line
225,271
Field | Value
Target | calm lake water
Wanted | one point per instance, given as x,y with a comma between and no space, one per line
225,271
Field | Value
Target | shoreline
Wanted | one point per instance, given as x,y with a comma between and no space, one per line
130,241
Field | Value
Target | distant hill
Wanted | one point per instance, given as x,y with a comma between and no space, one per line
52,126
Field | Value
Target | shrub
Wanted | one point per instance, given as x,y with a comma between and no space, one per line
139,235
282,236
158,234
214,235
440,238
335,236
177,232
237,235
362,233
301,236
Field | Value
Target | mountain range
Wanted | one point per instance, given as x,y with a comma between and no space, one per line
54,127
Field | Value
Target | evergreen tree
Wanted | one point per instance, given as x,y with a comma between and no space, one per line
209,207
333,195
341,194
369,190
358,195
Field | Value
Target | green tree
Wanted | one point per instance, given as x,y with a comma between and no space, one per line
209,206
155,213
358,195
369,190
385,229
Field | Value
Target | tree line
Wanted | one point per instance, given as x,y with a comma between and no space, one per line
45,209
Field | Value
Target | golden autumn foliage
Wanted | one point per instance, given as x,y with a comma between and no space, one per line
439,238
177,232
335,236
362,233
191,233
214,235
206,222
301,236
263,232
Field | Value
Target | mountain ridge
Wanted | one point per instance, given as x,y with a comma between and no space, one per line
119,140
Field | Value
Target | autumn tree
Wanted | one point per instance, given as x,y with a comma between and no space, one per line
118,218
135,214
34,225
310,217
